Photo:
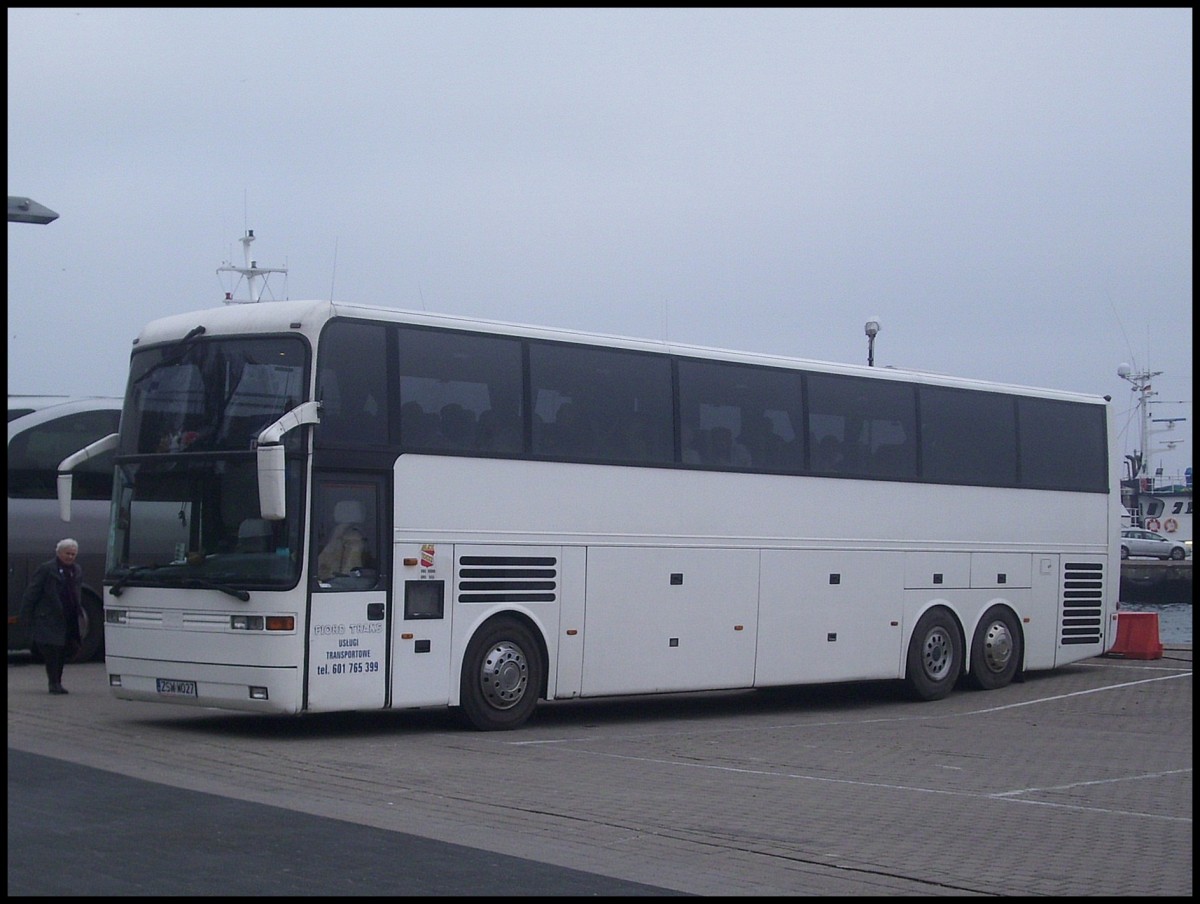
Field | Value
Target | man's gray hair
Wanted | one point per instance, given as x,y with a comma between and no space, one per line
66,543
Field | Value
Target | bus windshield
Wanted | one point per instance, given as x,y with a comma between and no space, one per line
210,394
193,521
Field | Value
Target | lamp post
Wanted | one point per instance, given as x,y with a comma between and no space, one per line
26,210
872,328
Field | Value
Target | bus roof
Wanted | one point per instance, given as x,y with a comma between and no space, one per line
308,318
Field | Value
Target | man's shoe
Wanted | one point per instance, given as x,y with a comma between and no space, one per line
57,689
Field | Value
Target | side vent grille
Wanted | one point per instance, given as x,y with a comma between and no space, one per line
1082,603
507,579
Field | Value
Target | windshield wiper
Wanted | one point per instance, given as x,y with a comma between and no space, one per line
118,588
175,356
243,595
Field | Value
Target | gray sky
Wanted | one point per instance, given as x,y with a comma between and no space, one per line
1008,191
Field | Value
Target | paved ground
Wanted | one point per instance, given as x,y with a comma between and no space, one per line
1075,782
75,830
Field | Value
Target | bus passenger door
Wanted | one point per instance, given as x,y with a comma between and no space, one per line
348,603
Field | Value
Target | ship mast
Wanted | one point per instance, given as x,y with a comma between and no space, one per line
251,272
1140,460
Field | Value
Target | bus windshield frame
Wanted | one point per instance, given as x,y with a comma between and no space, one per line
207,395
185,500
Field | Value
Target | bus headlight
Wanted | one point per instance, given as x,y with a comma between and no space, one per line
262,622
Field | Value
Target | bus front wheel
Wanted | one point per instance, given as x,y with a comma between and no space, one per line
501,676
995,650
935,655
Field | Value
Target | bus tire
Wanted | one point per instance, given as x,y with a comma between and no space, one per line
995,650
501,676
91,629
935,655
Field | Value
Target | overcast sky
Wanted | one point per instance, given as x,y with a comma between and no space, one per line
1008,191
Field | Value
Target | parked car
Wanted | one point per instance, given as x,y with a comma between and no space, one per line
1138,542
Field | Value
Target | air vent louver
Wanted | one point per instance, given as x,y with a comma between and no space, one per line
1082,603
507,579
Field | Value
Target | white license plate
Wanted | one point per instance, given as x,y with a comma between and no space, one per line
176,688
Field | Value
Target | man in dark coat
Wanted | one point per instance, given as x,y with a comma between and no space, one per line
50,607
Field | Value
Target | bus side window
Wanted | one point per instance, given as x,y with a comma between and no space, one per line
352,385
343,551
346,534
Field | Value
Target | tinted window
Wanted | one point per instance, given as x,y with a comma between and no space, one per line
736,416
862,427
475,394
593,404
34,454
352,385
968,437
1063,445
460,392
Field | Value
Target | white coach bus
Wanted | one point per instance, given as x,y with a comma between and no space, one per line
372,509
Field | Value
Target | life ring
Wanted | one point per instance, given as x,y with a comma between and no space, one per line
1170,525
1152,524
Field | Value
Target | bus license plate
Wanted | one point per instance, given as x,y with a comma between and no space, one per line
176,688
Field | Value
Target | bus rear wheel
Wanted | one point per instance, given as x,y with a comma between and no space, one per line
935,655
995,649
501,676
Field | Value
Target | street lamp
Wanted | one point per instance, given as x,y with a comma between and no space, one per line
26,210
872,328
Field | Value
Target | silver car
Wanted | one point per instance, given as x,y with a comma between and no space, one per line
1138,542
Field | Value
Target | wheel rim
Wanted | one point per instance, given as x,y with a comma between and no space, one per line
997,647
937,654
504,675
